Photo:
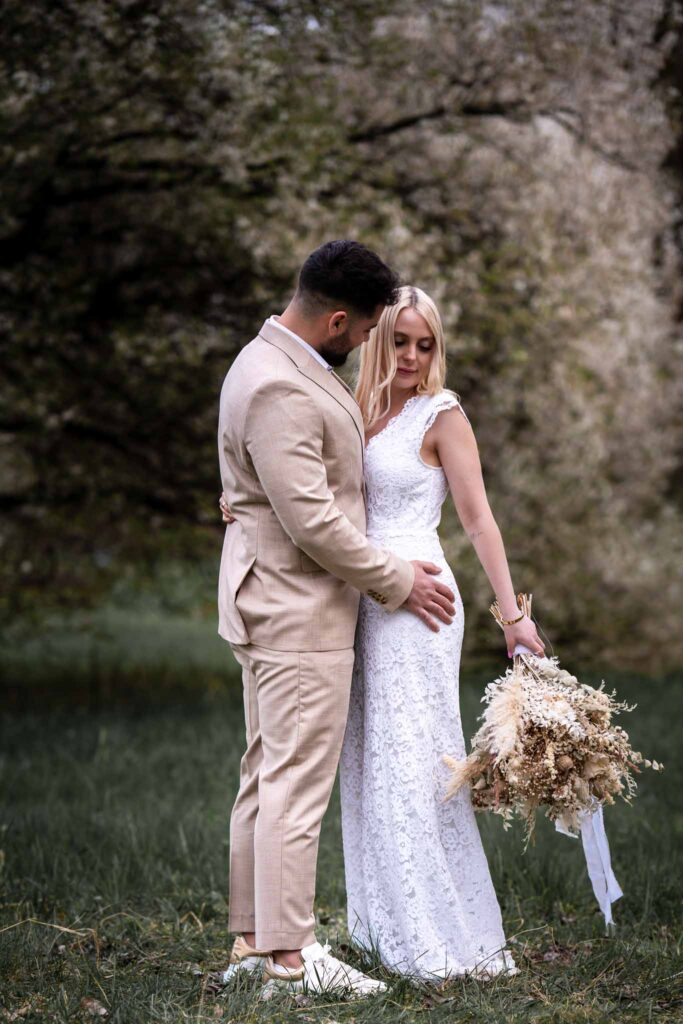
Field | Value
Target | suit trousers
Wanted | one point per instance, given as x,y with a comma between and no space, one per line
295,706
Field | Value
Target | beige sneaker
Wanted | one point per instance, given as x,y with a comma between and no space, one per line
320,973
244,958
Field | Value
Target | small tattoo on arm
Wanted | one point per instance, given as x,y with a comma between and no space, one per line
475,533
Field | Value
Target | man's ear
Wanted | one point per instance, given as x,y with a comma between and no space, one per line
338,321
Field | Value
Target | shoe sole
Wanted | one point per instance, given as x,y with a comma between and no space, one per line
274,986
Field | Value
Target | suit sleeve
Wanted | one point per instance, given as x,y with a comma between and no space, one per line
283,436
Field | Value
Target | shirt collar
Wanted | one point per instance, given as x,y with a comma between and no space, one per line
275,320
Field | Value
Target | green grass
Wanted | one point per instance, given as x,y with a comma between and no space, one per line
114,658
114,837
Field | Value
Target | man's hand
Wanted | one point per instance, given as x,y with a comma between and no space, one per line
430,598
426,599
228,517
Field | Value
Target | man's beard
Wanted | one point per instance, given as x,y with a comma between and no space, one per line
335,350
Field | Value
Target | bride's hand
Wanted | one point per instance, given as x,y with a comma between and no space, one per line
523,632
228,517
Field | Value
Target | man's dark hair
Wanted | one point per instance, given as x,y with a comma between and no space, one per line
346,275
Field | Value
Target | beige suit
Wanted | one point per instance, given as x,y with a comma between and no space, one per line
291,454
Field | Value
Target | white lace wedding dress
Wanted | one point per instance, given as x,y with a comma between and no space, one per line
418,884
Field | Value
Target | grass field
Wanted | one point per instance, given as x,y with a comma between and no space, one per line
114,842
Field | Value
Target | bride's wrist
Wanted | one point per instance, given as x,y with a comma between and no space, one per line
512,629
507,605
506,617
510,612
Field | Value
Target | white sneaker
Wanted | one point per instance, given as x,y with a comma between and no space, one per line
319,973
244,959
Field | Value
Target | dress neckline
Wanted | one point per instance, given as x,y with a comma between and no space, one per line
392,420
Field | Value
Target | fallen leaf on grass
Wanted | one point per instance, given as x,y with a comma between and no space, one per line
435,999
325,1020
36,1005
559,954
93,1007
551,954
23,1011
192,967
629,992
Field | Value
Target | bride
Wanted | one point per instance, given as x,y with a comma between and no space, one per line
418,885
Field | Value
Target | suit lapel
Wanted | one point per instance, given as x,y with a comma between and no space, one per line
335,386
316,372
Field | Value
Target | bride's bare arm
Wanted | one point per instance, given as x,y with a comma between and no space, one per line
456,447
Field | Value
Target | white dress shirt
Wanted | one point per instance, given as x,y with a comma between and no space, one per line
275,320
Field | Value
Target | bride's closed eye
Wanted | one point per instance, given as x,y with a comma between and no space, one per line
423,347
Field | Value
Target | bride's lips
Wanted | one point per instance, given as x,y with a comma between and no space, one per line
406,373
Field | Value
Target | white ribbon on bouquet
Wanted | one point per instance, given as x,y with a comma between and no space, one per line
596,851
595,847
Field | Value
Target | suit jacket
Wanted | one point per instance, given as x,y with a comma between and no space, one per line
291,443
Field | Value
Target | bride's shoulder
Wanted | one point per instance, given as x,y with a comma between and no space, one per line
444,399
445,396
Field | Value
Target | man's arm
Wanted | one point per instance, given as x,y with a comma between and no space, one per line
283,437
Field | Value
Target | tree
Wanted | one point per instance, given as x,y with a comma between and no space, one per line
169,166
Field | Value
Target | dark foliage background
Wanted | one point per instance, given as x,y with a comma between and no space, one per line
166,167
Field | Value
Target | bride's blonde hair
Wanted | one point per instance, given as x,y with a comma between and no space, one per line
378,356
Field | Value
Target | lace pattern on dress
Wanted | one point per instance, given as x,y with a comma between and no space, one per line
418,884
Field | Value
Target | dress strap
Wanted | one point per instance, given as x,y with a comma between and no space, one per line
437,403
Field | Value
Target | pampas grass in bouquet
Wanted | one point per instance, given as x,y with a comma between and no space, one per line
547,741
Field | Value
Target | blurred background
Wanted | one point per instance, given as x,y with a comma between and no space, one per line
166,169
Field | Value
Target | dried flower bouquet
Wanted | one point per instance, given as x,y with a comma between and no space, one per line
549,741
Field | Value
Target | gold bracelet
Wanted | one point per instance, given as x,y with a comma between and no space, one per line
523,602
511,622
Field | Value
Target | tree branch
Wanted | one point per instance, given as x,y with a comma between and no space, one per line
471,109
377,131
581,136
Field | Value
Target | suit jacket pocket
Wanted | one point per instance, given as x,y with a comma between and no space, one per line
243,573
239,557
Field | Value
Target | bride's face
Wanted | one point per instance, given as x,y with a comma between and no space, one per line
415,346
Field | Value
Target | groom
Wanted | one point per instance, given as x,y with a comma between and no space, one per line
294,563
